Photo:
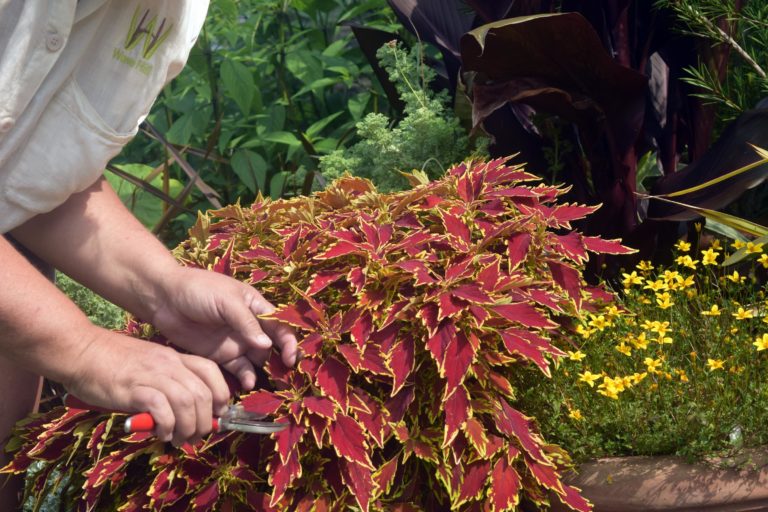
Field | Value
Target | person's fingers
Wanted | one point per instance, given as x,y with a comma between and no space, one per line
214,381
259,356
153,401
242,368
190,400
238,314
284,337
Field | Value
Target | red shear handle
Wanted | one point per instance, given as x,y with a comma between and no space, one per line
144,422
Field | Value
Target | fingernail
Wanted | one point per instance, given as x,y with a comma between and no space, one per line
167,438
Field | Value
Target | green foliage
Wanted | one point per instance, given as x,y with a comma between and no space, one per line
743,28
270,86
428,138
683,353
99,310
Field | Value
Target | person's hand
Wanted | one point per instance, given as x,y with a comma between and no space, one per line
182,392
215,316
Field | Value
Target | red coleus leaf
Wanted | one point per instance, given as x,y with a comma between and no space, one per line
460,268
384,477
282,474
545,474
516,344
222,265
300,315
597,244
457,409
523,313
438,343
505,486
361,329
359,482
459,234
449,306
489,276
311,345
517,248
373,360
428,314
206,499
568,278
475,476
323,279
262,402
356,278
287,440
320,406
419,269
570,245
348,440
477,437
458,358
573,499
401,361
333,378
353,356
318,426
513,424
399,404
341,248
472,293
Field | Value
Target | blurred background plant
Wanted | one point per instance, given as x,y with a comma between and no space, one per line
683,352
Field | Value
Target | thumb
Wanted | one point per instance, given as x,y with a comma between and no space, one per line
237,313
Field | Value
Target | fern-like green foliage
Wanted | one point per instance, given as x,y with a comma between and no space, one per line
743,28
98,310
428,137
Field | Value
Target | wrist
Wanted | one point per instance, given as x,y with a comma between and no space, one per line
151,288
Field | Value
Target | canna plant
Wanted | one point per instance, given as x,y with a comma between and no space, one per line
416,309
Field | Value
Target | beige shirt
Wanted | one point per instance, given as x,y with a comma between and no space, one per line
77,77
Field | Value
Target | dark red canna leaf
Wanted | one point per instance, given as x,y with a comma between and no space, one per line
262,402
333,379
505,486
359,482
513,424
597,244
523,313
457,409
348,440
320,406
475,476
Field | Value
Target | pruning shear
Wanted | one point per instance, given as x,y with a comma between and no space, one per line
236,418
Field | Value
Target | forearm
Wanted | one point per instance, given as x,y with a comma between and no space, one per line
94,239
40,329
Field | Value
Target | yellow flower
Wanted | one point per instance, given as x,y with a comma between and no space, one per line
743,314
638,377
761,342
716,245
652,364
686,261
763,260
599,322
683,246
611,387
584,332
664,340
753,248
641,342
735,277
688,282
656,286
589,378
630,279
671,276
714,310
645,266
612,311
738,244
709,257
624,349
664,300
661,328
715,364
693,355
683,375
576,356
575,414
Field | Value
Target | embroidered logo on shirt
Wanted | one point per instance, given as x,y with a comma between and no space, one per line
149,32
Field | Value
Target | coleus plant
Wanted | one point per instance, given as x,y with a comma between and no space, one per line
416,310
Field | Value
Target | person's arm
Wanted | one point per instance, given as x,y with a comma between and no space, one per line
43,331
95,240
